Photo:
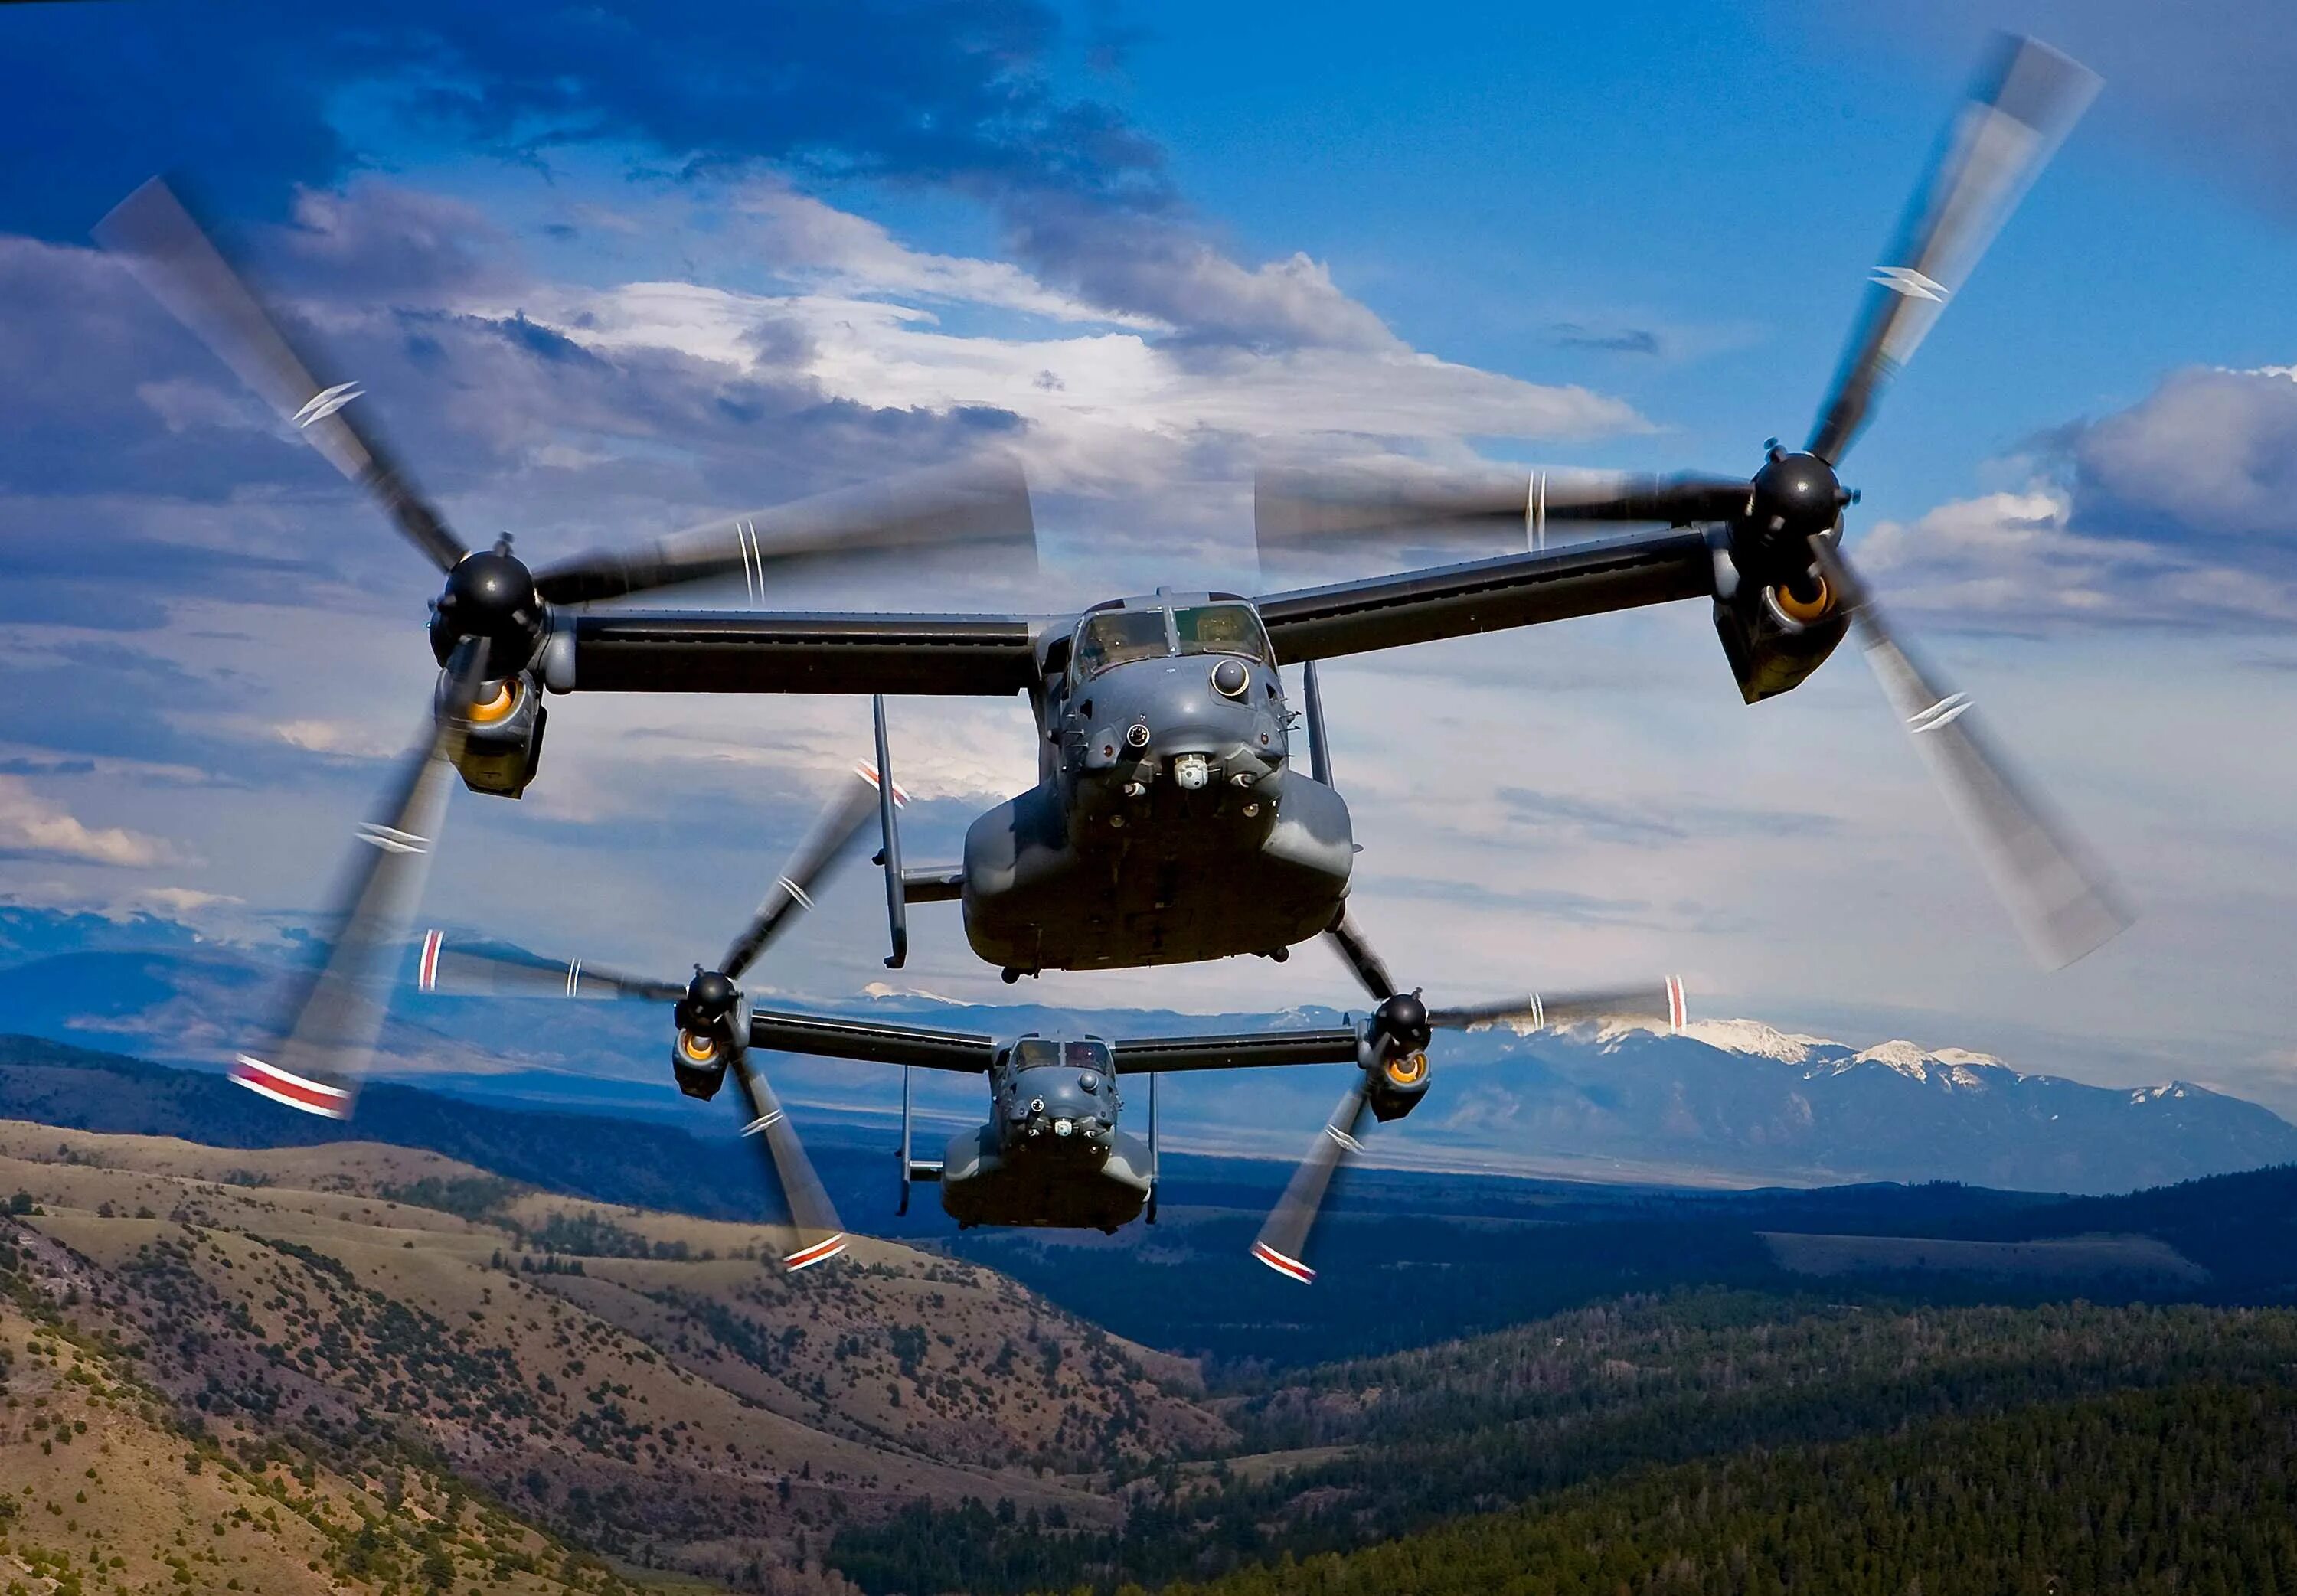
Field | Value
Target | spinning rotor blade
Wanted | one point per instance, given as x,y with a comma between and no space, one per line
2027,102
165,251
820,1236
1660,1005
1488,513
2064,903
460,973
1357,951
340,1015
1283,1240
981,504
833,837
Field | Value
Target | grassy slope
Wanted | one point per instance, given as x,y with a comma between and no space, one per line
699,1405
105,1491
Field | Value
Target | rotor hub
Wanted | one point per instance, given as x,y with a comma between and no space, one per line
710,997
1798,494
1402,1020
490,594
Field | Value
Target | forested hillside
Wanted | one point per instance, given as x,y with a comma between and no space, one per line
2185,1490
1357,1453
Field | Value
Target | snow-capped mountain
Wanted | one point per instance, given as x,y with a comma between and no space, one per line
1742,1099
1728,1100
1948,1066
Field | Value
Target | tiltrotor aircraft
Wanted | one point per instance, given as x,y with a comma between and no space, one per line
1170,821
1051,1153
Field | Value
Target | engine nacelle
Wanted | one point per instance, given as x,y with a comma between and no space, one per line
504,747
713,1027
699,1064
1392,1051
1397,1085
1772,638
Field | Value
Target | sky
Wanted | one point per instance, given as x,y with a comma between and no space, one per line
606,271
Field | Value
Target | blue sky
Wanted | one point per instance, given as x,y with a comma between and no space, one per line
607,271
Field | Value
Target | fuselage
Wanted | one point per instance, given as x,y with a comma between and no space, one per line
1051,1154
1167,824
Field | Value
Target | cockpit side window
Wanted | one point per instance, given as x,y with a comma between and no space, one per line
1117,637
1221,629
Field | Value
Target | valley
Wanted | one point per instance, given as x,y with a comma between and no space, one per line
415,1361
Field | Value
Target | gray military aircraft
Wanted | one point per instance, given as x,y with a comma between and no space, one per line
1050,1154
1170,821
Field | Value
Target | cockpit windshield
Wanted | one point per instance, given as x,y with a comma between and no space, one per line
1220,628
1037,1052
1118,637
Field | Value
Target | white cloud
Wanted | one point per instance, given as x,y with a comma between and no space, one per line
1092,396
848,254
181,902
866,318
324,736
31,823
2019,557
2210,455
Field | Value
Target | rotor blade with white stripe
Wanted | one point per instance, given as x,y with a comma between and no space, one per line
1283,1244
339,1013
1659,1005
834,839
2064,903
2027,101
1396,512
153,235
467,973
981,506
819,1236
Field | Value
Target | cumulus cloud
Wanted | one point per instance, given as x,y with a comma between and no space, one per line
2209,457
2174,510
810,240
377,241
2020,558
1085,392
1152,261
34,826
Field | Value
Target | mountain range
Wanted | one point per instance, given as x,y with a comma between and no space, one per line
1728,1103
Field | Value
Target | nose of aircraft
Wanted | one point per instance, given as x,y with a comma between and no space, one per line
1192,704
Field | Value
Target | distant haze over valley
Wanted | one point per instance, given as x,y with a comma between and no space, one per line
1732,1102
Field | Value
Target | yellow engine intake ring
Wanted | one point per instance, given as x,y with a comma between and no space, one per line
1407,1069
697,1047
1802,612
490,712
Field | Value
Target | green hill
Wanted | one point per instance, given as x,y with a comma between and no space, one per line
2180,1491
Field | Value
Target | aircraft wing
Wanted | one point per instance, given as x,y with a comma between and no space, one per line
1525,589
781,1032
737,651
1246,1049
